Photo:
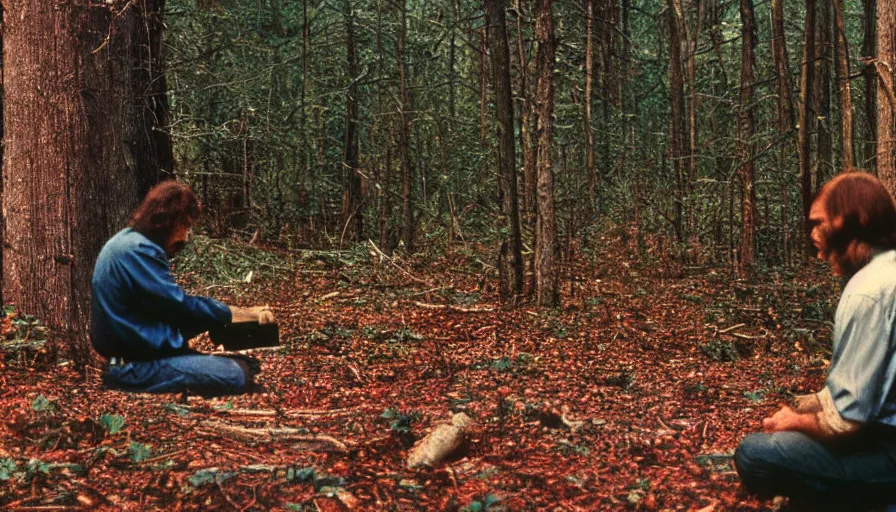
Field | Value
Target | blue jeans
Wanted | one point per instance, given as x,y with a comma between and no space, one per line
197,373
793,464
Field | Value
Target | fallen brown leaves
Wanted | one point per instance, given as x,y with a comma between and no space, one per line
632,396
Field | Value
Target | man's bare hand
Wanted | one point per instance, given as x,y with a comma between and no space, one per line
261,314
780,421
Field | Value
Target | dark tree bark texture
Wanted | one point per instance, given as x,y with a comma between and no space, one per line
83,99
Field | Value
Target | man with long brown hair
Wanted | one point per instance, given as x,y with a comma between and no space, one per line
838,446
141,320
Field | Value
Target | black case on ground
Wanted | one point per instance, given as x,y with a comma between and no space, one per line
246,335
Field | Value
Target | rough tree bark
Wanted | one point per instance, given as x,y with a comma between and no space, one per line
529,148
782,68
886,109
546,282
745,130
677,120
841,50
807,119
82,144
589,80
352,215
404,130
822,99
869,51
510,259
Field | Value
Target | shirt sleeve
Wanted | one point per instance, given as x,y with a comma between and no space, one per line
859,364
156,289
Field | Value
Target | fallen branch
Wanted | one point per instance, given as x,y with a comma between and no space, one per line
396,265
163,457
293,434
746,337
733,327
453,308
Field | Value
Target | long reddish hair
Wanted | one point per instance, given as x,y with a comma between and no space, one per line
166,206
862,215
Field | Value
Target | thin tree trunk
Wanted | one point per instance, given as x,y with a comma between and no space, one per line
404,131
510,259
76,143
807,118
546,282
677,126
352,215
589,79
842,62
529,149
869,53
823,96
745,130
782,69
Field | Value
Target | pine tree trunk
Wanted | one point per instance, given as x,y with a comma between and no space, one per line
404,131
589,80
782,68
886,109
511,258
81,146
677,126
352,215
546,281
845,92
825,163
869,53
807,118
745,130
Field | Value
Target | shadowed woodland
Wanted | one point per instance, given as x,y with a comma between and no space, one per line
582,224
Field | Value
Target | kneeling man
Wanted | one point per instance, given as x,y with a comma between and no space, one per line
141,320
838,446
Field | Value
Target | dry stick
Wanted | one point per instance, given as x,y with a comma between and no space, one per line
165,456
283,432
396,265
733,327
453,308
746,337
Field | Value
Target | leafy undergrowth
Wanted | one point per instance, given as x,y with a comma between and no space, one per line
653,376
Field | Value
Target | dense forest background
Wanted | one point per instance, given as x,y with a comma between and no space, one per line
523,132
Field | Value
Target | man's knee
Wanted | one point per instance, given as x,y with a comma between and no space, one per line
752,456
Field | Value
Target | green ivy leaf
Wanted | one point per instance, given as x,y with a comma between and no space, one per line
112,422
139,452
41,404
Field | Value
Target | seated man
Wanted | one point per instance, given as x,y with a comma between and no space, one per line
141,320
839,445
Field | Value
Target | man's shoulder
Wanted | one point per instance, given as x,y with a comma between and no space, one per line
129,242
877,280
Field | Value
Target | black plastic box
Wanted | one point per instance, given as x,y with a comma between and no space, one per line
246,335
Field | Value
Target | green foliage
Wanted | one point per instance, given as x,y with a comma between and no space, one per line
36,467
113,423
487,503
208,476
139,452
400,422
8,468
41,404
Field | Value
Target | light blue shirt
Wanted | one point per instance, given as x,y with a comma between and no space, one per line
138,312
863,367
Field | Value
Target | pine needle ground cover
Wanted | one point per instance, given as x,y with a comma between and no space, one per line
630,397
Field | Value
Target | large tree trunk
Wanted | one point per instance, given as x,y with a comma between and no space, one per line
529,148
807,118
677,126
886,109
404,131
745,131
546,282
80,146
511,258
352,218
841,50
869,53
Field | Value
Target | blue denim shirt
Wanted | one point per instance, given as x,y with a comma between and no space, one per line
138,312
863,367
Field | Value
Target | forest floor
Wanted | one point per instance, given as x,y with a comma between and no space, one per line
632,396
